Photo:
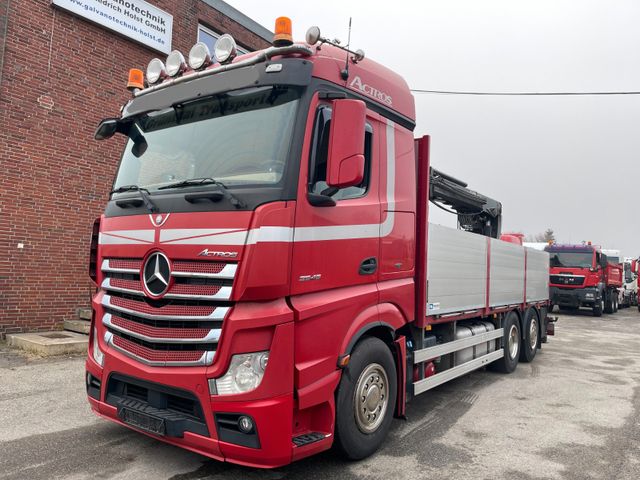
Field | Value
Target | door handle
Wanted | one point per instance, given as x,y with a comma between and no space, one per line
368,266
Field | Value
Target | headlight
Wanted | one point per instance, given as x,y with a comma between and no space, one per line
225,48
244,374
155,71
175,63
199,56
588,295
98,356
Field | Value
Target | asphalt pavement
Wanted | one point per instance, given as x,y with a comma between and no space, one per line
574,413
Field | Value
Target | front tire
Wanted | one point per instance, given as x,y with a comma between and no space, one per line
511,344
598,308
531,336
365,400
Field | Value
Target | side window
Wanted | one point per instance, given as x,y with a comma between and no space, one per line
320,153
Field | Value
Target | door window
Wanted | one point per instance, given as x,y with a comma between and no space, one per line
320,154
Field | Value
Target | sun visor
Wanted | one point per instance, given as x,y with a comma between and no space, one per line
288,71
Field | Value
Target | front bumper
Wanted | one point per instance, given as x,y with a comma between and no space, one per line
202,428
574,297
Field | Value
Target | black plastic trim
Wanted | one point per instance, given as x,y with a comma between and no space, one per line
93,387
157,404
226,425
360,333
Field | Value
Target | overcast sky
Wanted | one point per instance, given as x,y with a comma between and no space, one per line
568,163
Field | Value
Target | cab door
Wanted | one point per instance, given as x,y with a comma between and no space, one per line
336,246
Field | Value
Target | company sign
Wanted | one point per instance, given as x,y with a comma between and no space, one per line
135,19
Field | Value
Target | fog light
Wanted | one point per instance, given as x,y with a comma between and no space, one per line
245,424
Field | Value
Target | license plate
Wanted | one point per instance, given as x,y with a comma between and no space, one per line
142,421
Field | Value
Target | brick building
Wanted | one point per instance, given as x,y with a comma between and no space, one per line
60,74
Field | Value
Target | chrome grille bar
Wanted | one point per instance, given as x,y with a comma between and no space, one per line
212,337
106,285
218,314
223,294
227,273
106,267
204,360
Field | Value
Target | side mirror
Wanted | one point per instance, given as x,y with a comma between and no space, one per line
107,129
345,165
603,261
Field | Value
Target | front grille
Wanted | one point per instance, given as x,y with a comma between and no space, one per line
563,279
181,328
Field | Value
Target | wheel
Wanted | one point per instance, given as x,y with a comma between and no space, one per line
608,303
598,308
366,399
615,303
510,344
531,336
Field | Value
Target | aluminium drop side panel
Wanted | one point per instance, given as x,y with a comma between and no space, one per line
506,285
537,275
456,270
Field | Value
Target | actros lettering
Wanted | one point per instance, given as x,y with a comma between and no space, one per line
210,253
370,91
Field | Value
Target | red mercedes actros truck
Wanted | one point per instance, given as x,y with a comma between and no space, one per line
582,276
268,284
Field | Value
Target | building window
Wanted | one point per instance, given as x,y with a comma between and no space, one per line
209,37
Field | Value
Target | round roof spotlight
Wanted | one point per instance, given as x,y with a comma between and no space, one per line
313,35
358,56
175,63
225,49
199,56
155,71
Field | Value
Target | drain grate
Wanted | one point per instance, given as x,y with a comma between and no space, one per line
55,335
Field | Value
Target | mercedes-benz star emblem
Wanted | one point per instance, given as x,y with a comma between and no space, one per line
156,274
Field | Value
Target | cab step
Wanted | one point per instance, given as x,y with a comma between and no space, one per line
308,438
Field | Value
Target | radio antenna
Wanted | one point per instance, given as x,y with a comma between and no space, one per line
345,73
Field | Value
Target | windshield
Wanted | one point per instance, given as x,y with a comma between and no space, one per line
571,259
237,138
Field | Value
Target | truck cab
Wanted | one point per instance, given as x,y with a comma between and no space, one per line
581,276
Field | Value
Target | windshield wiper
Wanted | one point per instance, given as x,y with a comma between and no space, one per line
144,193
191,182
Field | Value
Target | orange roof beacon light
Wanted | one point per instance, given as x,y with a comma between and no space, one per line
135,80
283,36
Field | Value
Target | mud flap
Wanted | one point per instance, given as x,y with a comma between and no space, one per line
401,360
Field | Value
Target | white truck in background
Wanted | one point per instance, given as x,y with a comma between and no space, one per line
629,289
